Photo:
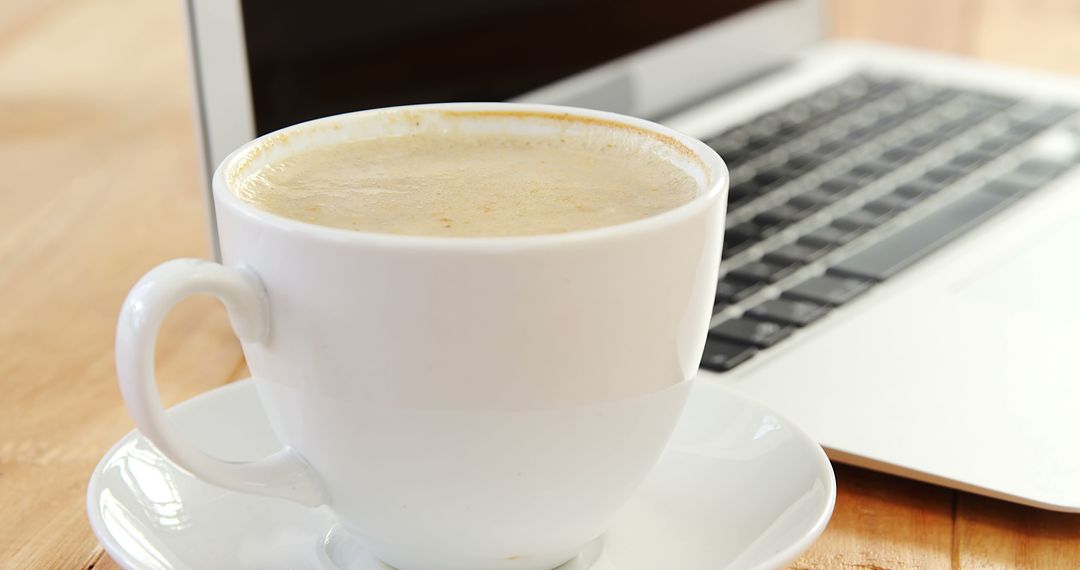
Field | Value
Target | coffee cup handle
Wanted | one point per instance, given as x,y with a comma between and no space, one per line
285,474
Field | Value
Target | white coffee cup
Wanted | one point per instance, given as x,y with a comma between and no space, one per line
458,403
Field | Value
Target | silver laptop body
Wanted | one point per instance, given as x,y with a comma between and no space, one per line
938,338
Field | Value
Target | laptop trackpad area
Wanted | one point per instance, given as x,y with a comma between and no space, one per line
963,369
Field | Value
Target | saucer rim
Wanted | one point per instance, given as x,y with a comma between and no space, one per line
780,559
785,557
97,524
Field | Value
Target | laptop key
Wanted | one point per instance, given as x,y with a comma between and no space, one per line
1008,188
893,253
800,252
736,243
1024,130
769,226
782,215
916,189
882,85
827,289
766,125
861,134
774,176
923,143
763,271
790,130
804,207
971,159
802,163
887,123
950,129
842,185
744,330
996,145
943,175
813,199
758,144
854,87
745,188
830,236
860,220
794,115
732,290
979,114
899,155
825,101
729,142
749,230
870,170
721,355
889,204
1038,171
743,193
789,311
832,147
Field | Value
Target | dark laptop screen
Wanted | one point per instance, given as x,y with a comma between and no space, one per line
317,58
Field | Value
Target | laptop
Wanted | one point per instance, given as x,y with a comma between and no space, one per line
901,271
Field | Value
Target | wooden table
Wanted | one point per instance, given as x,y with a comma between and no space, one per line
99,182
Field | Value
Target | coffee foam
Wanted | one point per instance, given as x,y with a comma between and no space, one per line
479,172
399,121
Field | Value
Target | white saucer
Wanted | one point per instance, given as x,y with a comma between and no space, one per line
739,487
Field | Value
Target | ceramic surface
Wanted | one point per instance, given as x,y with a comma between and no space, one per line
738,487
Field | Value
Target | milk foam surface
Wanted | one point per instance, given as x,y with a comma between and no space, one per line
471,184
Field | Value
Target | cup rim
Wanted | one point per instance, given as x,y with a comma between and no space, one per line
714,167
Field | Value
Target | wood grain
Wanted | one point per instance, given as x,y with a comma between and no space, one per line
99,183
996,534
881,521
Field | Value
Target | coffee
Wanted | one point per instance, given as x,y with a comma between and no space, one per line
449,182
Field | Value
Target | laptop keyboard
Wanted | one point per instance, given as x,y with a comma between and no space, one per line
842,189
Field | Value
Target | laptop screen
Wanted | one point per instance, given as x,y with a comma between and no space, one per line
318,58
